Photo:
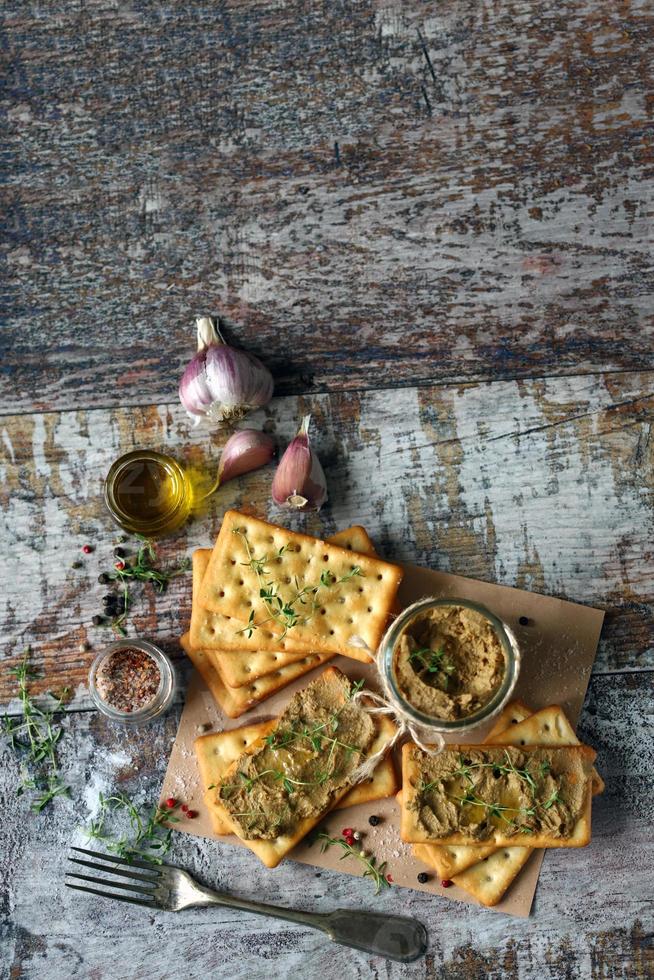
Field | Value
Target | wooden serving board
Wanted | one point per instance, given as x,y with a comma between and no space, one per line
558,647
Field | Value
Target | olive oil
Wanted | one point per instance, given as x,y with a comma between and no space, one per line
148,493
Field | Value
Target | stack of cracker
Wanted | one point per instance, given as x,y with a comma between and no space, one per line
486,870
339,593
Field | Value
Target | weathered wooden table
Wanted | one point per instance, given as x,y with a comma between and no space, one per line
433,221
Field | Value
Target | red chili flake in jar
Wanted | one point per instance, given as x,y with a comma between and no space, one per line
128,679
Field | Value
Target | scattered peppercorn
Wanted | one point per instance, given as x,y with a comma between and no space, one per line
77,564
423,877
119,552
446,883
103,578
389,879
374,820
87,548
524,621
191,814
184,808
109,599
171,802
98,620
347,831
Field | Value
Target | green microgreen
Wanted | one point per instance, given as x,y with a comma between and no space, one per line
283,610
34,736
148,839
372,870
433,662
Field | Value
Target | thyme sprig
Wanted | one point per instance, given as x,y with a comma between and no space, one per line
140,568
280,610
434,662
372,870
148,838
34,736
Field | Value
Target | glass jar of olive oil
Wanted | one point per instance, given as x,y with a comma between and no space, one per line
148,493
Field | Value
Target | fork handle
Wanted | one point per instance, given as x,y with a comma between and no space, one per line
393,936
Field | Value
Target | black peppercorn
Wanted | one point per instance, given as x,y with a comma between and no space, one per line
374,820
119,552
423,877
77,564
109,599
103,578
524,621
98,620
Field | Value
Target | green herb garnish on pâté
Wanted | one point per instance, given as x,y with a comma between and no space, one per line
139,568
281,610
34,735
148,838
434,662
525,775
320,737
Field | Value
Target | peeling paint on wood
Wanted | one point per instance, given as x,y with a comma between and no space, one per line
537,484
431,192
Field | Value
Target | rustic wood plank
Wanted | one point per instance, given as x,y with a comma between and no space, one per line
539,484
591,917
429,192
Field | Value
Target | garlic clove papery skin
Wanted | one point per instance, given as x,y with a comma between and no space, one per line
299,482
221,382
246,450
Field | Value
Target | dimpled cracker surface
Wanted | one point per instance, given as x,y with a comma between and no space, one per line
216,753
211,630
349,614
236,701
488,880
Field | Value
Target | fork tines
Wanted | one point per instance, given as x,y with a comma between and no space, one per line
140,886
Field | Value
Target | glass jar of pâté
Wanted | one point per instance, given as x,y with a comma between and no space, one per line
449,664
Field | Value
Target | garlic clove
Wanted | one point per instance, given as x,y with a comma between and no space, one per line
244,451
299,481
221,382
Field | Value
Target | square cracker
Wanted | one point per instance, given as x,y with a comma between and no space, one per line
450,859
351,616
271,852
211,630
216,753
240,667
489,880
236,701
411,832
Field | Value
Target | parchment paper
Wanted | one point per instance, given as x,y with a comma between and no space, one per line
558,649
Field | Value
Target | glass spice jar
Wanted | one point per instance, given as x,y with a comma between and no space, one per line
132,682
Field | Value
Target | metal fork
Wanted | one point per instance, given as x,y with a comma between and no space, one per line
172,889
